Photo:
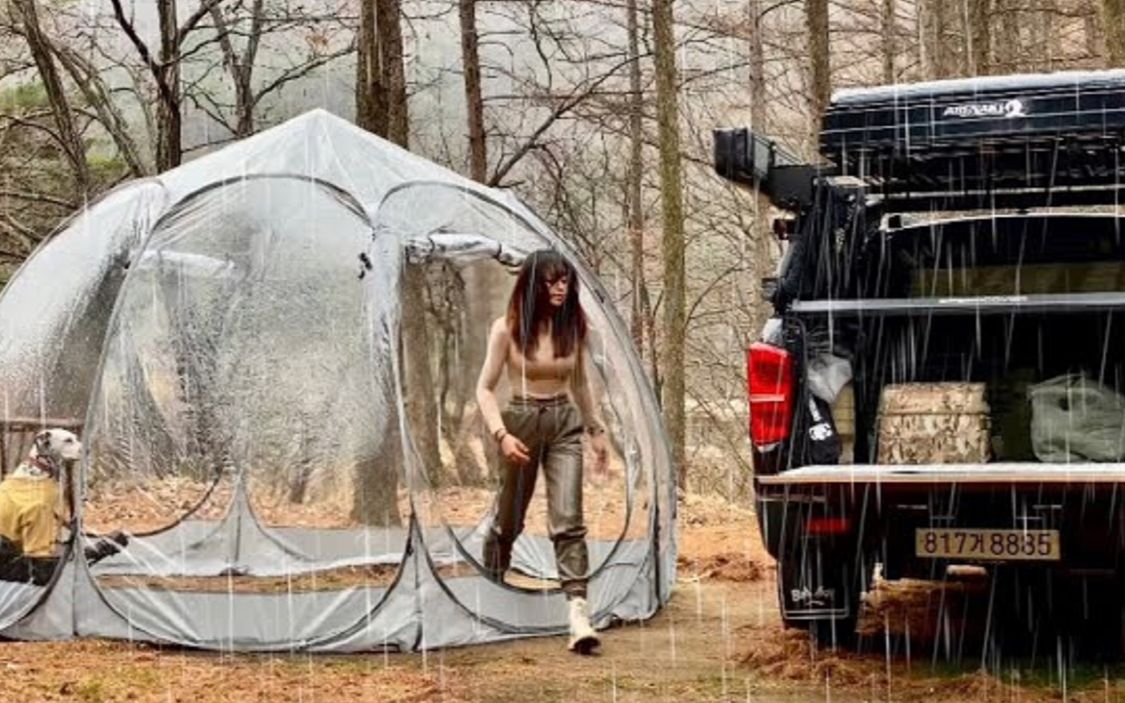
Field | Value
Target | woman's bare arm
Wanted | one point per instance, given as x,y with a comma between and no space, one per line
494,361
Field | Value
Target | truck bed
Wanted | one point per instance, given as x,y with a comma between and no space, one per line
998,473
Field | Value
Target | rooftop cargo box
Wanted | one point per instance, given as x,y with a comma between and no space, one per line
1028,131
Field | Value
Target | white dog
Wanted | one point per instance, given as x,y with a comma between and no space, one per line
32,516
50,450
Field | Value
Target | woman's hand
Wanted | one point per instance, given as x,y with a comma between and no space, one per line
600,445
515,451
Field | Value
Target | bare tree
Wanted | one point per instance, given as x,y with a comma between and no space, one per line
241,64
1008,51
421,392
477,284
381,107
936,17
757,66
370,94
169,144
1041,28
816,20
389,18
1092,32
671,191
254,24
60,106
889,37
165,72
545,99
380,71
98,97
470,65
635,205
979,37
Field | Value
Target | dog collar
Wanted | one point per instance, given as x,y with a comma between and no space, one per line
45,465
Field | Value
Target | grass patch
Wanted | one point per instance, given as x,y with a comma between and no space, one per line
117,686
1040,674
24,96
91,691
1078,676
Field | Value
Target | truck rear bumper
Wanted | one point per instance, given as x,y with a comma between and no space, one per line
1082,505
947,474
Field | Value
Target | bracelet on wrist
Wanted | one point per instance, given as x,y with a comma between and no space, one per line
595,430
499,434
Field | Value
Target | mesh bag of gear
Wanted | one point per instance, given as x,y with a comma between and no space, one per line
1075,419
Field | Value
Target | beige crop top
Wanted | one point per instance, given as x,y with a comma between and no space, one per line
541,376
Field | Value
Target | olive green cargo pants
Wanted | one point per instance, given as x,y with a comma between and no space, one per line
552,430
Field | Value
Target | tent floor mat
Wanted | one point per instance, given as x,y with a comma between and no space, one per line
374,575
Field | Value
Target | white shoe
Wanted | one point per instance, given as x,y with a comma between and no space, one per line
583,638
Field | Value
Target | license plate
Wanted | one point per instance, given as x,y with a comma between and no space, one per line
990,545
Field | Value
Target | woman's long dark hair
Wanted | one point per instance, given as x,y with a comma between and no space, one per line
529,308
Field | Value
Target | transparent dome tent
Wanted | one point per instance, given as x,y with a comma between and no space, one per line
270,353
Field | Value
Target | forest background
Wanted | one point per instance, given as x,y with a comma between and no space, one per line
596,113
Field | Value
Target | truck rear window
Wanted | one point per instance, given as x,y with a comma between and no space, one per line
1003,256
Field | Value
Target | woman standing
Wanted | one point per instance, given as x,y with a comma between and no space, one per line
541,344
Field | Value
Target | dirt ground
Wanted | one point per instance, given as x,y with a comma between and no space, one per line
720,638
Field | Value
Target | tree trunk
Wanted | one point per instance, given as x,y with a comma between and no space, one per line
247,102
671,190
241,67
937,25
816,21
757,68
979,37
759,123
889,41
1093,35
1038,54
421,403
388,15
169,150
634,206
480,288
244,97
653,344
370,104
924,53
45,61
376,498
1008,50
470,61
1050,47
1113,23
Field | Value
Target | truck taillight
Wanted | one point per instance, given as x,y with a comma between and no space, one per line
769,371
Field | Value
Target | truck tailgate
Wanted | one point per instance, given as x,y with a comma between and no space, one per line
999,473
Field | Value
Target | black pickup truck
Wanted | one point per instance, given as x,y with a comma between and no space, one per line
963,231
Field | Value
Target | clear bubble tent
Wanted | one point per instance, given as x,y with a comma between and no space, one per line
228,337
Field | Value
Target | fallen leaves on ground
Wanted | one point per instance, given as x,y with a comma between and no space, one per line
104,672
779,659
720,541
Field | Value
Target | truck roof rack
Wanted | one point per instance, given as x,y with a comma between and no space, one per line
960,305
753,160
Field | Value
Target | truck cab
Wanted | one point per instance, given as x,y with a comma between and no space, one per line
959,240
